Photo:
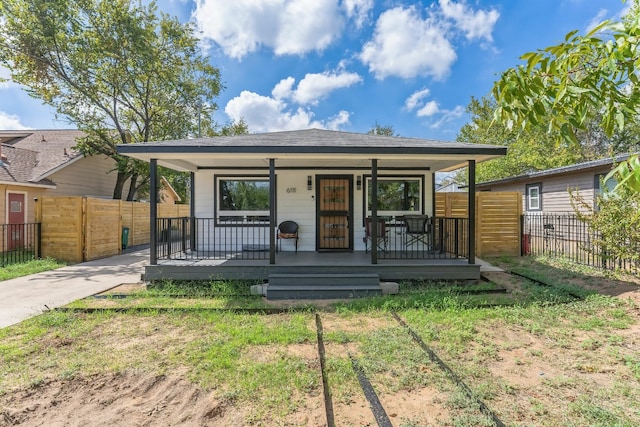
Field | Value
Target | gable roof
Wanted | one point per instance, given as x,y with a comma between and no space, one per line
309,144
578,167
31,156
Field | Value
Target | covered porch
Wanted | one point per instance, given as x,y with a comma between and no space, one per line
324,181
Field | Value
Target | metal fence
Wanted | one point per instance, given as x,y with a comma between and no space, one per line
20,243
564,235
186,238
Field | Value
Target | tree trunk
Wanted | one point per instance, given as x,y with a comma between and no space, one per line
120,180
133,187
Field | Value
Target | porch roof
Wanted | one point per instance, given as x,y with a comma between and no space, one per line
310,148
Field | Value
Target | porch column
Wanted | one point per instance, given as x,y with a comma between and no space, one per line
153,211
433,195
472,212
272,211
374,211
192,209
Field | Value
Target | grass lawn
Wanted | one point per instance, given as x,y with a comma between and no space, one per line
20,269
175,354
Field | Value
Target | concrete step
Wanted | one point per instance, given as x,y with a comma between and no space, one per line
322,286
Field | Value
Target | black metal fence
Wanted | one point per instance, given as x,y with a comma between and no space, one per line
186,238
20,243
564,235
441,238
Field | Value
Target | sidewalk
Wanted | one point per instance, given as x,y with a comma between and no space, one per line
29,296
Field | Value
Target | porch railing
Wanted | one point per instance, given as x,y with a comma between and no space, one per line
566,236
185,238
19,243
442,238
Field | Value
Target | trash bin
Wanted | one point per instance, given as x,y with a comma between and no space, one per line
125,237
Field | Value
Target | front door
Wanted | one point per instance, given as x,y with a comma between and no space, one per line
15,230
334,207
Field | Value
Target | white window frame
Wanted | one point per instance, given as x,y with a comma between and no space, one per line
538,198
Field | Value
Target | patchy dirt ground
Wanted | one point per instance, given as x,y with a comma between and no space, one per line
538,378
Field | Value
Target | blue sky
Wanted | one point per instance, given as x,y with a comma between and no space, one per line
347,64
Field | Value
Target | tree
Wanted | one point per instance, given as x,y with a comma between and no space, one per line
583,79
120,72
378,129
528,151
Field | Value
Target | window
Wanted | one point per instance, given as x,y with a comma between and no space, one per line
396,196
242,199
534,197
599,187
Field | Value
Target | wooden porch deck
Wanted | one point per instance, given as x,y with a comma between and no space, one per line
313,263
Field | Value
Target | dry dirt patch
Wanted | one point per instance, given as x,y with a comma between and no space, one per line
109,400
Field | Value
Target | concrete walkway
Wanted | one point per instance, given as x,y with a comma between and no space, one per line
29,296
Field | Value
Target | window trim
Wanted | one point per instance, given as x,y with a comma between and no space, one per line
597,190
409,177
529,187
242,216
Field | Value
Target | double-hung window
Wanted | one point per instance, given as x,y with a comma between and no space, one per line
534,197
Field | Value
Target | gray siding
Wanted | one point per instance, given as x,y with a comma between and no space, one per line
89,176
555,189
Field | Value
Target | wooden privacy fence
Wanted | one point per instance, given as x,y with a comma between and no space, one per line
77,229
498,230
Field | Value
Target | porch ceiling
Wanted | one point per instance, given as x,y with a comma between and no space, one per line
197,161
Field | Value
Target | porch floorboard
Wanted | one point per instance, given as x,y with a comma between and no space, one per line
313,263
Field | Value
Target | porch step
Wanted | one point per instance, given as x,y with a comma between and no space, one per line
322,286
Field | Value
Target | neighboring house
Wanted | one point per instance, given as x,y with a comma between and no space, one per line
167,194
547,191
246,185
37,163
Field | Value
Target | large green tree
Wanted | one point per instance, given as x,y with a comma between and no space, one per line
527,151
117,69
586,79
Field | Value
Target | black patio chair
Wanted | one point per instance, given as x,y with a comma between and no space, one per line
383,236
287,230
417,230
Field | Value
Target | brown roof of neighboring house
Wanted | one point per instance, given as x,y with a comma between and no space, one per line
30,156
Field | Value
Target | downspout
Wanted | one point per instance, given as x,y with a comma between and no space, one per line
153,210
472,212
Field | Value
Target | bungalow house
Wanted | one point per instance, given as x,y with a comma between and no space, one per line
547,191
245,187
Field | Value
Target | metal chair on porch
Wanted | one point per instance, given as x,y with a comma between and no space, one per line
383,237
417,230
287,230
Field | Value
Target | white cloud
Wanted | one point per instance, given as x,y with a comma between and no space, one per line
284,88
448,116
10,122
407,46
340,119
289,27
314,87
429,109
266,114
358,10
475,24
415,99
596,20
